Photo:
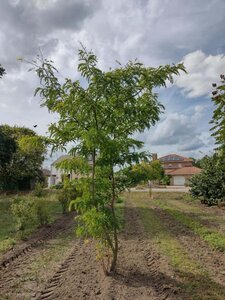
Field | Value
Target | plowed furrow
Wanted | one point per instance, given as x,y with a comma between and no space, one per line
55,281
12,266
59,226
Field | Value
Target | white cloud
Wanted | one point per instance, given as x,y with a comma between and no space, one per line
181,130
202,70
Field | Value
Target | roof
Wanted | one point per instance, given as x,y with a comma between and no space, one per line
174,157
184,171
61,158
66,156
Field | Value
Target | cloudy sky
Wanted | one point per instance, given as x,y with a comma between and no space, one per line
154,31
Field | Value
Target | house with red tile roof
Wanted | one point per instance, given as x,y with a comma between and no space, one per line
179,168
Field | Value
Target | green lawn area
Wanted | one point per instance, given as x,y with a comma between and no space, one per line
8,232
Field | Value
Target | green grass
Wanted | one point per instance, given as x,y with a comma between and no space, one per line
197,210
8,232
212,217
7,224
194,278
120,212
212,237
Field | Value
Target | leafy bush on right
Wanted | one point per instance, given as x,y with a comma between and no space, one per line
209,185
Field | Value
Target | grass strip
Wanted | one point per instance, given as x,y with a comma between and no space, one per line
213,238
119,208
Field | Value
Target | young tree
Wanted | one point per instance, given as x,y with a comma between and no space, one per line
100,118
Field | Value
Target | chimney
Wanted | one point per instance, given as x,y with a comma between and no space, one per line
154,156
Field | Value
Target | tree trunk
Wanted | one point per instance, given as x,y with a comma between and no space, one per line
93,175
115,233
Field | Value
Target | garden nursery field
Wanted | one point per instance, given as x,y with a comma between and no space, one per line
170,247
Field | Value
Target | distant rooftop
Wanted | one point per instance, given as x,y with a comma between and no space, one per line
174,157
61,158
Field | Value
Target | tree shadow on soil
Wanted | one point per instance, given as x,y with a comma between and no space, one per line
140,279
189,286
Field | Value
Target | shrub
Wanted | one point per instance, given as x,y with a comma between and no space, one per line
68,193
42,214
209,184
63,201
38,190
57,186
119,200
23,209
165,180
29,211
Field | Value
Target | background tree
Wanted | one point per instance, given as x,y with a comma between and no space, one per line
199,163
209,184
7,147
218,119
2,71
100,118
144,171
22,155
